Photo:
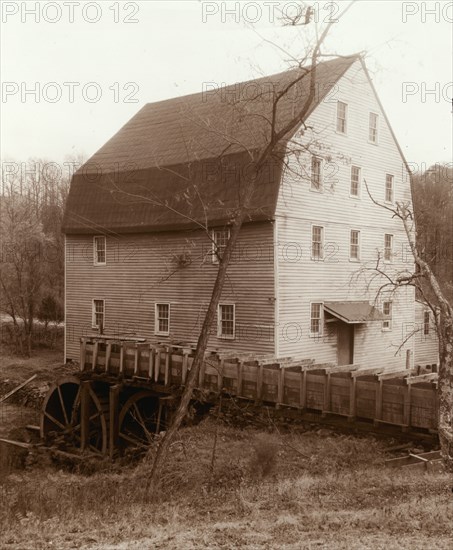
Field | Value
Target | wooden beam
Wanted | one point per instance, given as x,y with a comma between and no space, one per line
122,358
167,378
366,372
379,395
157,366
407,407
342,368
85,415
19,387
150,361
303,389
82,353
395,374
352,398
95,355
108,353
114,394
136,358
326,403
422,378
280,388
259,382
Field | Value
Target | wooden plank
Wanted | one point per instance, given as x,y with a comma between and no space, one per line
341,369
422,378
95,355
108,354
136,358
84,415
167,365
150,361
396,374
352,398
157,365
303,389
114,429
16,389
367,372
82,353
407,406
327,393
122,359
280,388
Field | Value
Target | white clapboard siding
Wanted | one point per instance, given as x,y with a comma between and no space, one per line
301,280
426,345
140,272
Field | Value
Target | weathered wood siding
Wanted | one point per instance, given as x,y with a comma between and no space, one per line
141,270
302,280
426,345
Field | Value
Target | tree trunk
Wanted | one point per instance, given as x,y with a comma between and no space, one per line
445,390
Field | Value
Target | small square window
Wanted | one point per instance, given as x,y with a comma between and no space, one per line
317,242
373,128
389,188
342,110
98,315
316,174
226,321
354,246
316,319
355,181
220,238
100,247
387,311
388,248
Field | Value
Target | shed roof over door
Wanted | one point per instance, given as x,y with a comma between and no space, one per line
353,312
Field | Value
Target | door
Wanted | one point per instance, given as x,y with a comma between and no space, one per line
345,343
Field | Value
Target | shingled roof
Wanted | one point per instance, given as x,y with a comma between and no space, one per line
180,161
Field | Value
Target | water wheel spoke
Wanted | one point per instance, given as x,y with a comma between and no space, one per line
54,420
95,415
132,439
63,407
142,423
76,405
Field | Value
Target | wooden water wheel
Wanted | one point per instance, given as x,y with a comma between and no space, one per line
140,418
66,404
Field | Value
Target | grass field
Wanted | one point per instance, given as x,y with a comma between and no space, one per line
306,490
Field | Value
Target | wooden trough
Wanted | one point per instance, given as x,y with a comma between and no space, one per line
128,389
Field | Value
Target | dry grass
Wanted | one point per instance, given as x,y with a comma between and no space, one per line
262,493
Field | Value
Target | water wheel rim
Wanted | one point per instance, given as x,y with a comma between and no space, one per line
127,437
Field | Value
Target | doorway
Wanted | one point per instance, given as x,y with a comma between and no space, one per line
345,343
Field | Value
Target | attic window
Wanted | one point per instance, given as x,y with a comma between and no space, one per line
99,245
342,109
220,238
373,128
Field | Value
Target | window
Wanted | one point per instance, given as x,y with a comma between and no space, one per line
316,319
387,311
388,248
355,181
162,319
98,315
99,251
354,246
317,245
342,110
226,321
373,128
316,177
219,241
388,188
426,319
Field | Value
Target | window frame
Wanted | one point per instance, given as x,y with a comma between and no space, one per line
376,141
337,118
320,318
157,330
358,245
96,239
390,259
220,320
321,258
392,189
387,323
358,196
426,323
215,259
321,183
93,313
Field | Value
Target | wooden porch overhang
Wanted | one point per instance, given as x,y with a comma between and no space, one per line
353,312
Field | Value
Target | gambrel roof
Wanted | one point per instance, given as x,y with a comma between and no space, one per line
180,161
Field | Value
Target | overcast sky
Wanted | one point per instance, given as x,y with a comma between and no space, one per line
139,52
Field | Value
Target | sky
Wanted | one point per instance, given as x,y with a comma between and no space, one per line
73,73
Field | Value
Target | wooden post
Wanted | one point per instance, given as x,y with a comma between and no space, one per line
167,365
220,376
240,369
303,389
84,415
83,347
157,366
108,353
114,394
407,407
95,355
151,361
122,358
185,361
326,404
136,358
259,383
379,392
280,388
352,398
